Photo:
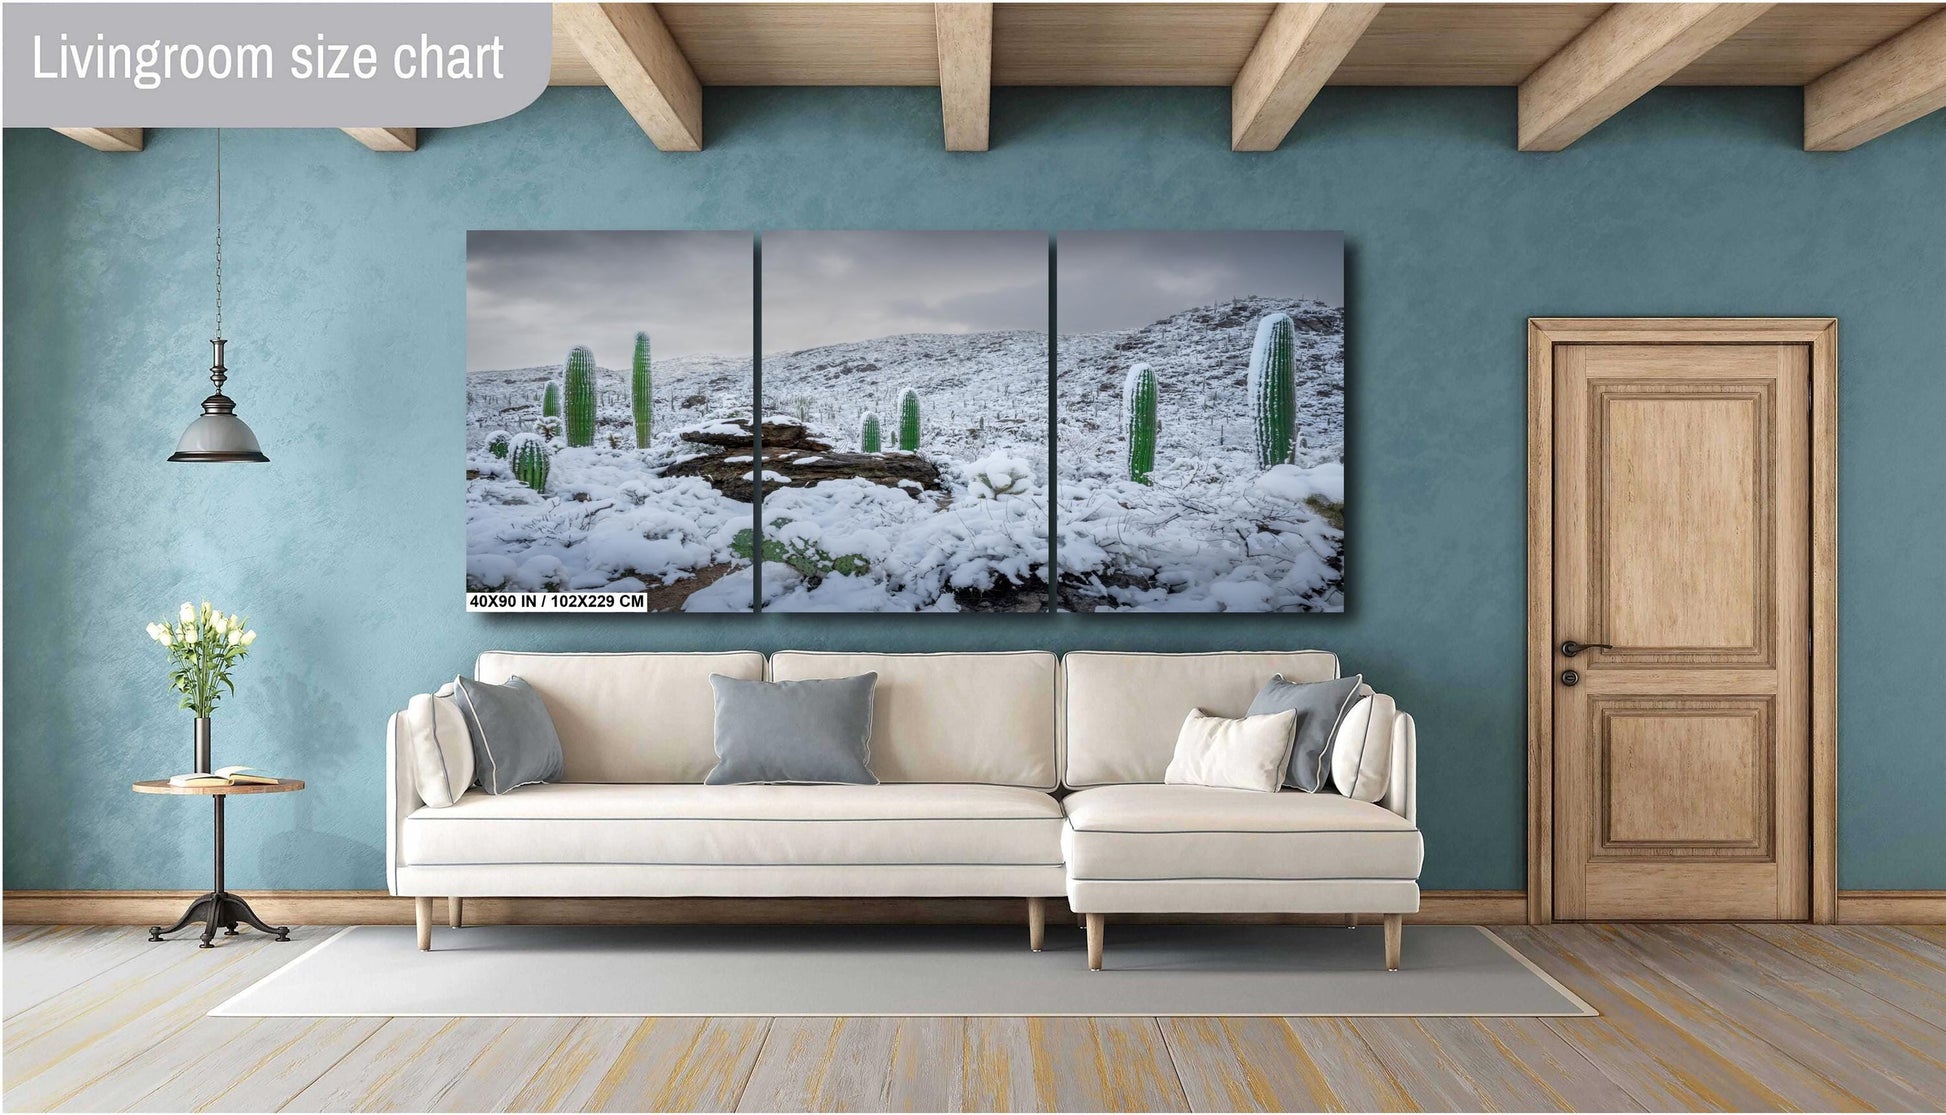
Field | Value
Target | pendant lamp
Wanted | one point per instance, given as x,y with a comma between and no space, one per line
219,435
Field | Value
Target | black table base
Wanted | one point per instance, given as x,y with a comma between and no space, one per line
219,906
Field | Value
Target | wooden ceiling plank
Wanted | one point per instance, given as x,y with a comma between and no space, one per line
639,61
1296,54
965,34
1887,87
385,139
1630,50
106,139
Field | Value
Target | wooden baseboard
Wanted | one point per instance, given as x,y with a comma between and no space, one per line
374,907
1892,907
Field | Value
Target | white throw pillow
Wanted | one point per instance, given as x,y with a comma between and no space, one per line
439,745
1361,752
1245,753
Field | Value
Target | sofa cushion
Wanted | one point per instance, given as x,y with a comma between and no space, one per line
1320,706
1247,753
1361,755
740,826
987,718
1122,710
794,732
627,717
440,749
1195,832
514,742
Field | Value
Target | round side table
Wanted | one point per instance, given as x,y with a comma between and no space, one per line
219,906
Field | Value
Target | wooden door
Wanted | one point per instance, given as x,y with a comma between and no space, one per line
1682,536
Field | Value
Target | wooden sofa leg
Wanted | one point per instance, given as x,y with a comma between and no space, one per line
1394,936
1351,921
422,907
1095,925
454,908
1036,923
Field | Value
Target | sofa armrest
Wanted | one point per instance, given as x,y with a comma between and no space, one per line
401,798
1402,793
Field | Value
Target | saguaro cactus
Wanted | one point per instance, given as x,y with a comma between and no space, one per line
496,443
578,402
1273,389
909,420
551,400
868,433
1139,423
644,402
528,454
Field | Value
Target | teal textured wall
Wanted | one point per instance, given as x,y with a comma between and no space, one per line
346,317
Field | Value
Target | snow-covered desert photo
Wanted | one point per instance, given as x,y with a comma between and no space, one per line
609,391
905,447
1200,421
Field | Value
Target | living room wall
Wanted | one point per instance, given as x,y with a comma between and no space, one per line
345,305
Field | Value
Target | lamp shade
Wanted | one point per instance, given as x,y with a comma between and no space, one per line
218,436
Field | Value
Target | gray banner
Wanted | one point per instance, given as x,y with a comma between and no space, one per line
271,65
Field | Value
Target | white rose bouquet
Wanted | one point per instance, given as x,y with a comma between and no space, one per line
204,646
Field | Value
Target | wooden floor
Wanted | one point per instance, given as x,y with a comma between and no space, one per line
1824,1018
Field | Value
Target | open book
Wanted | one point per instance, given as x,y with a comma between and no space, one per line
228,776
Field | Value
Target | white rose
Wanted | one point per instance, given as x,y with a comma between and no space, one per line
249,637
154,630
188,613
236,637
167,638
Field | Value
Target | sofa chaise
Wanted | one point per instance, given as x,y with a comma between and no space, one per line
1002,774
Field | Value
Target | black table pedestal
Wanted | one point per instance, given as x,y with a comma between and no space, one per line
220,907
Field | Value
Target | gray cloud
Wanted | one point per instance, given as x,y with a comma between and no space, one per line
825,288
1124,280
531,296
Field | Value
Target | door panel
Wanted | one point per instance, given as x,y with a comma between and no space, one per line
1681,757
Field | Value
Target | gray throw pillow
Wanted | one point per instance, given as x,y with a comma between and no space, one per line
793,731
1319,705
514,743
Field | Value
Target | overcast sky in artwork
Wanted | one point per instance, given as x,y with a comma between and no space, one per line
532,296
1125,280
824,288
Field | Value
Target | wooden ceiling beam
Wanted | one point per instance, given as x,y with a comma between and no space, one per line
639,61
1297,53
1884,88
385,139
106,139
965,34
1630,50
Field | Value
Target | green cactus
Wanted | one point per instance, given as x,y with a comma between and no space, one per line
868,433
528,454
644,402
1139,423
551,400
578,402
909,420
1273,389
496,443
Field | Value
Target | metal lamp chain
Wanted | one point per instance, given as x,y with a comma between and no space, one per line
219,232
217,372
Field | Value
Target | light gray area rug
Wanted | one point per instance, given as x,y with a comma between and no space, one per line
800,970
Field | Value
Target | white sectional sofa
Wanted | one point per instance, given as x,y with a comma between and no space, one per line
1002,774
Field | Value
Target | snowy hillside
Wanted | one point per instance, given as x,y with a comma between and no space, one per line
606,518
1211,530
976,539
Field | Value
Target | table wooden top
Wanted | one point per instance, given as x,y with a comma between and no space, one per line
161,786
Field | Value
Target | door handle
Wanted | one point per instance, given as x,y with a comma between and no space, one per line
1571,648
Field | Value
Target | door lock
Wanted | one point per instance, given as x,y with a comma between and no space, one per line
1570,677
1571,648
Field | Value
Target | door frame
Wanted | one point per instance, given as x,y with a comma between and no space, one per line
1821,334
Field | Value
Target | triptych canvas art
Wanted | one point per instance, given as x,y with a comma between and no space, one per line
901,435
